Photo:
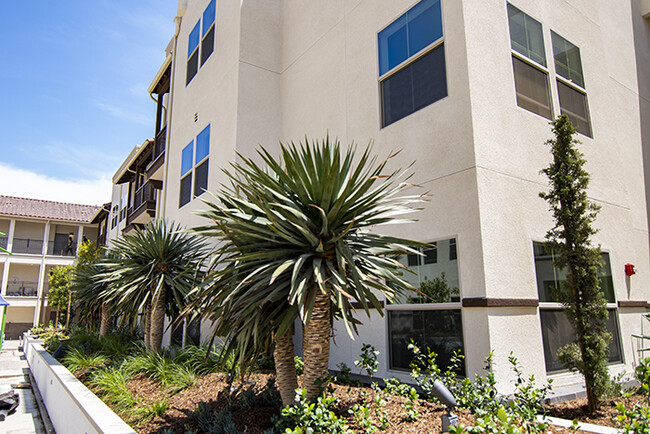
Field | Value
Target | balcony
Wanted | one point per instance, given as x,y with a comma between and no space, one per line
60,248
27,246
154,169
144,206
22,289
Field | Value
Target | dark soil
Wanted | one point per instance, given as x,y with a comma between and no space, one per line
579,410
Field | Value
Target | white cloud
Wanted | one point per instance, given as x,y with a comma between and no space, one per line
23,183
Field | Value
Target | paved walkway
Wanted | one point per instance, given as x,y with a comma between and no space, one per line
13,370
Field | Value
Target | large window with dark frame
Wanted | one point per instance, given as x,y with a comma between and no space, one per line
531,72
195,167
200,44
432,315
412,71
556,329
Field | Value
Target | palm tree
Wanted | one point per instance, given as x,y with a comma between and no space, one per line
153,270
296,243
90,295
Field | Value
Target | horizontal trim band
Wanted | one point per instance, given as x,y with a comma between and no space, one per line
499,302
633,303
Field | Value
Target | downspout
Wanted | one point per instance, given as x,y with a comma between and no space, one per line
172,81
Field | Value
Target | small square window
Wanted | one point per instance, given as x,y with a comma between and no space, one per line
453,255
431,255
531,86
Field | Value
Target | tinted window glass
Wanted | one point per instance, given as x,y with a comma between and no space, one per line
417,85
557,332
440,330
531,86
207,46
201,178
186,158
208,16
193,40
526,36
573,103
567,60
186,190
192,67
202,144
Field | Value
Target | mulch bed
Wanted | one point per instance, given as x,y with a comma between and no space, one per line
579,410
212,389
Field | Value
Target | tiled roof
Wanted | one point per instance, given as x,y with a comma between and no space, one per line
46,209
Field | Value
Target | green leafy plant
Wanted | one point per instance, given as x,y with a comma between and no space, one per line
311,417
367,360
76,360
59,292
300,365
395,387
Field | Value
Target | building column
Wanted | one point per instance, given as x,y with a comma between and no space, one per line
5,277
10,235
80,234
41,276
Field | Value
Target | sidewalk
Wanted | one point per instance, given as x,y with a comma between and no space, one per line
13,370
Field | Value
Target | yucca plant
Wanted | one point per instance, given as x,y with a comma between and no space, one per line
296,242
152,270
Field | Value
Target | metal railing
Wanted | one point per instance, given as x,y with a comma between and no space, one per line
28,246
159,143
143,194
61,248
22,288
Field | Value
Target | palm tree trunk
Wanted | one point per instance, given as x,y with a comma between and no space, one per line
316,346
105,326
285,369
147,326
157,320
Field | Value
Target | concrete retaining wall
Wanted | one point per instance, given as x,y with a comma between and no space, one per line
71,406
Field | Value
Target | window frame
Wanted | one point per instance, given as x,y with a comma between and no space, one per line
193,145
456,306
556,306
438,43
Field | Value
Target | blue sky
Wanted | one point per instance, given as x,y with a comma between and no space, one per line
73,86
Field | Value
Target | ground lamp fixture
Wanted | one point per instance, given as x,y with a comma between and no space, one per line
447,399
3,316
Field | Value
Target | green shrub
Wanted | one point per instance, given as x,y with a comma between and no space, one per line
300,365
310,417
76,360
213,422
396,387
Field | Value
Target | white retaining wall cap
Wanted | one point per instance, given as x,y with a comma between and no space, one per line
67,400
587,427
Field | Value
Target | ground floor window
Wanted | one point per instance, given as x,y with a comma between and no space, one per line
441,330
558,332
556,329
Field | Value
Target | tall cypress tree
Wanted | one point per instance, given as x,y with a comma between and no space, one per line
570,241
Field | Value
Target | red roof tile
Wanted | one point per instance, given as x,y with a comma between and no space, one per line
46,209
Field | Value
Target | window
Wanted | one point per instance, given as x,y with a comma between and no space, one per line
556,329
531,72
194,166
202,35
573,98
531,81
123,206
432,323
452,249
114,212
412,62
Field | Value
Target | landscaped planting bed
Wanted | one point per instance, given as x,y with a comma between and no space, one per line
191,392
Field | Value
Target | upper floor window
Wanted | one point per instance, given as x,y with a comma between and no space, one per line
412,71
532,72
202,35
194,167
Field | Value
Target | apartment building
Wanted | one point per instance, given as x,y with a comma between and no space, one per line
466,90
41,235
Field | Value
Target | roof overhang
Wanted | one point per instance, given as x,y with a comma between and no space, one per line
161,76
127,170
101,212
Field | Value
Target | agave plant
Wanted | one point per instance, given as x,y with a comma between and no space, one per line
153,270
295,242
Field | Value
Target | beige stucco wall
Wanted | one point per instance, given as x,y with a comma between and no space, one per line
20,314
29,230
283,69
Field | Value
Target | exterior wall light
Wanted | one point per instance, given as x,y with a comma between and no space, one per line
630,269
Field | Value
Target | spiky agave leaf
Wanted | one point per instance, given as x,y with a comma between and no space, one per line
300,225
